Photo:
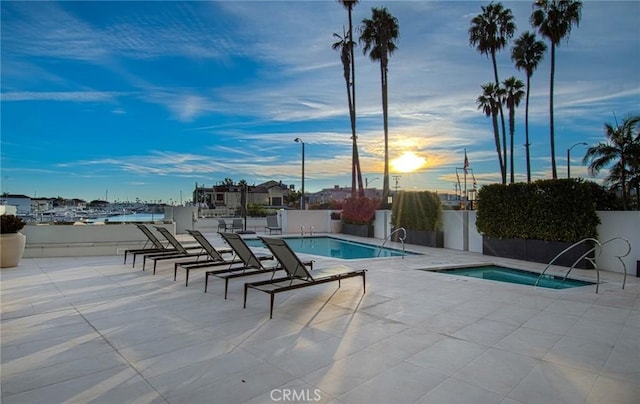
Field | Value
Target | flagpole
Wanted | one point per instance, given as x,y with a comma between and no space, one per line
466,166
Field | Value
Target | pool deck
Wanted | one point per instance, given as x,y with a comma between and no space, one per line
90,329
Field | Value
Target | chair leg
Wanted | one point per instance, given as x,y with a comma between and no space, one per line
125,257
154,266
226,287
271,305
206,281
186,282
246,289
364,282
175,271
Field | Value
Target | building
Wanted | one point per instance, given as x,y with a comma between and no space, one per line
339,194
226,199
22,203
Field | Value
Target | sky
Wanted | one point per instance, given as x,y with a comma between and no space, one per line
142,100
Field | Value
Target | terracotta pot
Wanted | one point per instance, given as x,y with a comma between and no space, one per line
11,249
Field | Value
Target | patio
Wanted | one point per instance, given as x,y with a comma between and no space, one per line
90,329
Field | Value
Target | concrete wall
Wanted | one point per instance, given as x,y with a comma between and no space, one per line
619,224
49,240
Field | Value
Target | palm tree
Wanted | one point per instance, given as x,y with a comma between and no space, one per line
554,19
351,90
620,152
526,54
490,31
489,103
378,35
512,97
345,45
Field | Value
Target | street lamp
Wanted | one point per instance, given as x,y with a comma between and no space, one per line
298,140
569,157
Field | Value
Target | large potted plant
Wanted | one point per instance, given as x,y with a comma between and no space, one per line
419,214
12,242
358,215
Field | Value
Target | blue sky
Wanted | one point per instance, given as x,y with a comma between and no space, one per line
130,100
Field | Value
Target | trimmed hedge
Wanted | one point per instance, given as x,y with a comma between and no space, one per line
553,210
416,210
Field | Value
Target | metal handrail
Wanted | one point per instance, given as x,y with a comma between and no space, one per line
401,238
598,245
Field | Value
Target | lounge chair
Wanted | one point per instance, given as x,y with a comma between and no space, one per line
157,246
297,275
252,263
214,258
181,251
272,224
152,240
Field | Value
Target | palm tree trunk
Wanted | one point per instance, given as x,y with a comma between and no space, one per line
552,139
352,111
504,130
526,129
385,183
496,135
512,123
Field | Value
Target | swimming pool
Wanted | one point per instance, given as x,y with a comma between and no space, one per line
518,276
334,247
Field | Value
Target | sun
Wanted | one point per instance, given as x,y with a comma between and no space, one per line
408,162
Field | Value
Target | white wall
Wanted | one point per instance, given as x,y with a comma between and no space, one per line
613,224
49,240
619,224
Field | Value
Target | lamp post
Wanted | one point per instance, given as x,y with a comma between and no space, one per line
298,140
569,157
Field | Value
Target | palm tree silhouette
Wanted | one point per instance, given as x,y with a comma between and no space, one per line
526,54
489,102
513,94
356,173
489,32
554,19
621,152
378,35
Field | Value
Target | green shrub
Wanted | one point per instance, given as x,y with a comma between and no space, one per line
553,210
416,210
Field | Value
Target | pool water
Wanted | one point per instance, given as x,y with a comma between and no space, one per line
518,276
334,248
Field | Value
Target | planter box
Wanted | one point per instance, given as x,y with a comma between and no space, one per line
361,230
422,237
536,251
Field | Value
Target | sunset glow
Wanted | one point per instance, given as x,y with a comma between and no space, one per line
408,162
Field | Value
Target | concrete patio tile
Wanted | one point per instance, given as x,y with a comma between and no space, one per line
584,353
529,341
485,332
236,388
89,329
448,355
550,383
497,371
613,391
114,385
552,322
456,391
295,391
345,374
404,383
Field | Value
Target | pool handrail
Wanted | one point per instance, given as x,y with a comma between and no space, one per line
597,245
401,238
